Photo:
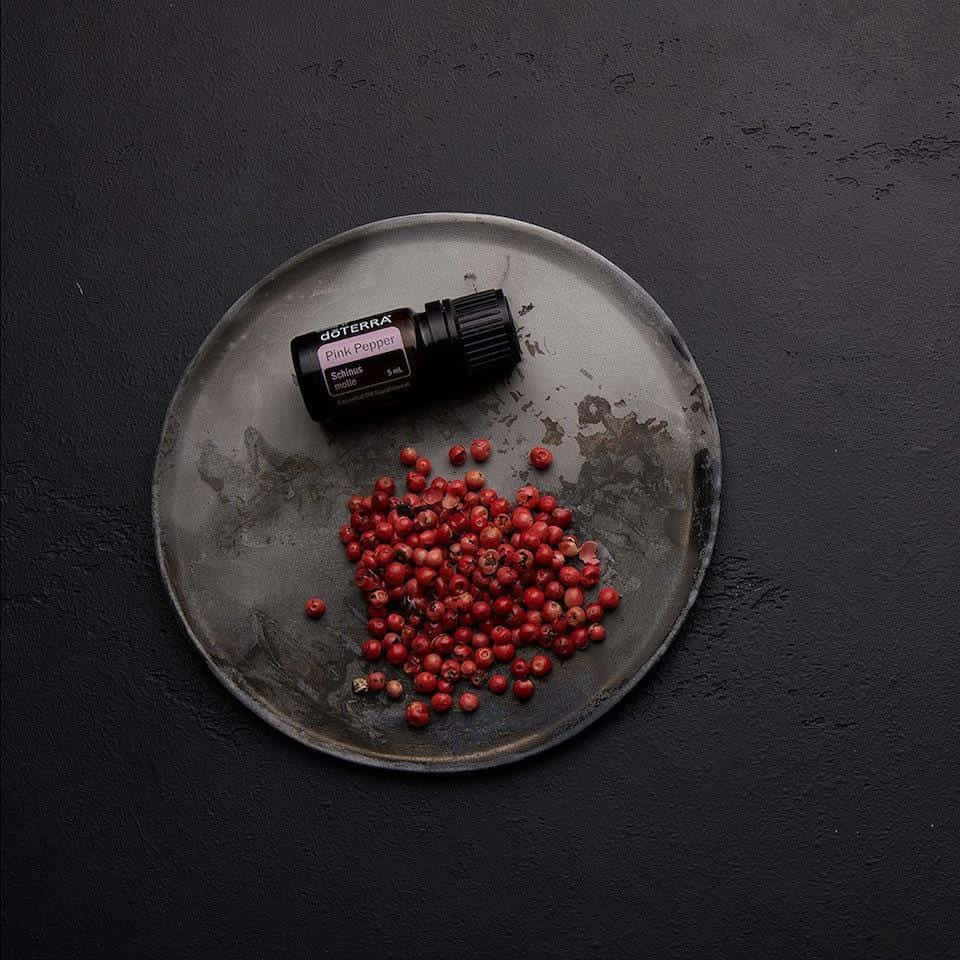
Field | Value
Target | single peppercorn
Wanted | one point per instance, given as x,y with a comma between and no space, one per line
579,638
441,702
416,482
468,702
540,665
590,576
563,647
394,689
376,681
597,633
541,457
417,714
397,653
474,479
608,598
457,455
523,689
497,683
594,612
408,456
371,649
315,608
480,450
484,657
425,682
519,667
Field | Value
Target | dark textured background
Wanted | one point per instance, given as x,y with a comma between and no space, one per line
784,177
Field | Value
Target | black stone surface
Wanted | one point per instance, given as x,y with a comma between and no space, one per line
784,179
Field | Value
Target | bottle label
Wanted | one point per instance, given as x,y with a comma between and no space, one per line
376,358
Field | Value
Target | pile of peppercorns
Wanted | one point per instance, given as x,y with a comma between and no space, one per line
457,579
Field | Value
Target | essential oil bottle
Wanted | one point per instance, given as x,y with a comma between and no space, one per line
354,368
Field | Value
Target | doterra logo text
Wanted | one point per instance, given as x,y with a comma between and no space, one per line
352,329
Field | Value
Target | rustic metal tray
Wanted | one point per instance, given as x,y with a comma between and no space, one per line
248,492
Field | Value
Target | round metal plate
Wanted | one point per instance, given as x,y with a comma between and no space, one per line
248,491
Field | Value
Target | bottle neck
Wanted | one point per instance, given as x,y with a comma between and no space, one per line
439,339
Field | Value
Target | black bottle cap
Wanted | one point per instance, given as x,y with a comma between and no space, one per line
473,336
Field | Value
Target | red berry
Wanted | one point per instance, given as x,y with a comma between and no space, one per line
519,667
423,466
594,612
497,683
425,682
441,702
543,557
608,598
553,590
376,681
457,455
443,644
523,689
576,617
484,657
480,450
504,652
397,653
527,633
394,689
533,599
377,599
432,662
502,606
573,597
597,632
590,576
541,457
563,647
371,649
394,574
552,611
416,482
527,496
314,608
450,671
490,536
579,638
540,665
474,479
521,518
468,702
408,456
385,485
417,714
376,627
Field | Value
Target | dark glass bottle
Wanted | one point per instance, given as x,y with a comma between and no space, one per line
352,369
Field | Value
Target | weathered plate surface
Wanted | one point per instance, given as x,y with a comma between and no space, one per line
248,491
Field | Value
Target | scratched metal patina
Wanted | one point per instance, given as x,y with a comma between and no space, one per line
248,492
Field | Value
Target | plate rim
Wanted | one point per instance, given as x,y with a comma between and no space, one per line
600,707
